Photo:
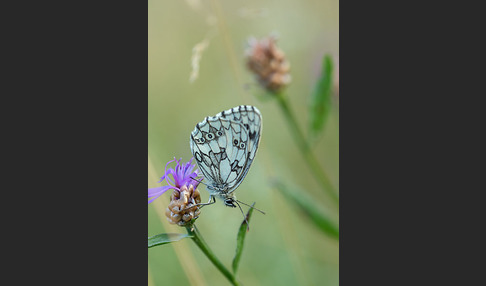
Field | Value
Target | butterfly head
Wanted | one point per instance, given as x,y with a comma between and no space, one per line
229,202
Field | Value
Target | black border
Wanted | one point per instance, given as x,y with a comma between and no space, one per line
78,138
408,128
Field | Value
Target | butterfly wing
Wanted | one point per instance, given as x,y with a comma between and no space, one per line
206,152
249,122
225,145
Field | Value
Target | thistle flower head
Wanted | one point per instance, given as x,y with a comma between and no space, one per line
182,175
268,63
183,208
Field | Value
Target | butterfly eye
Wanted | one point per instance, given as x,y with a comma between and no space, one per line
209,136
235,142
219,133
242,145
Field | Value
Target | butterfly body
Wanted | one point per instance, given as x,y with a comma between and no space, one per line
224,147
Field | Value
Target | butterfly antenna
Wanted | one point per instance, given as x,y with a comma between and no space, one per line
198,181
251,206
244,217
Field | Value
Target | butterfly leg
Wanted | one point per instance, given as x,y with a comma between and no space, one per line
211,198
211,201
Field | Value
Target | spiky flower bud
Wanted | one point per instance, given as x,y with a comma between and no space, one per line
182,208
268,63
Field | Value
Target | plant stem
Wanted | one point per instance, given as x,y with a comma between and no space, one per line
199,241
316,169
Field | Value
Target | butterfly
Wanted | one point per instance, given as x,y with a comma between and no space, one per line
224,147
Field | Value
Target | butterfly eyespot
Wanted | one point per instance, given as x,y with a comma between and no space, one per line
235,142
200,140
209,136
242,145
219,133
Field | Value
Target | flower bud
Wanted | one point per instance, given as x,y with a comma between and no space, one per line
183,208
268,63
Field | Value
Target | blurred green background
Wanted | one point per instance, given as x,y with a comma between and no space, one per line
282,247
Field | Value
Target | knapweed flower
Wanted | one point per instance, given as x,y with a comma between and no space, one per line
183,208
181,176
268,63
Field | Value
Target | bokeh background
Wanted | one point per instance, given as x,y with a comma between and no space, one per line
282,247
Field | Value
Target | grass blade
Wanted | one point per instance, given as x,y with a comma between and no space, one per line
309,208
321,98
240,239
165,238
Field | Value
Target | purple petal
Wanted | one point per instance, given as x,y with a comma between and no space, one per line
166,176
188,169
166,173
179,175
157,192
182,174
195,183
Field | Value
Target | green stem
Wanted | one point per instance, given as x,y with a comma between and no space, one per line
199,241
316,169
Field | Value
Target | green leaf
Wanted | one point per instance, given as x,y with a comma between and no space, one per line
240,239
165,238
310,209
321,98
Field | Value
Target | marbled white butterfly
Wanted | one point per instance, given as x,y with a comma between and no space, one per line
224,147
